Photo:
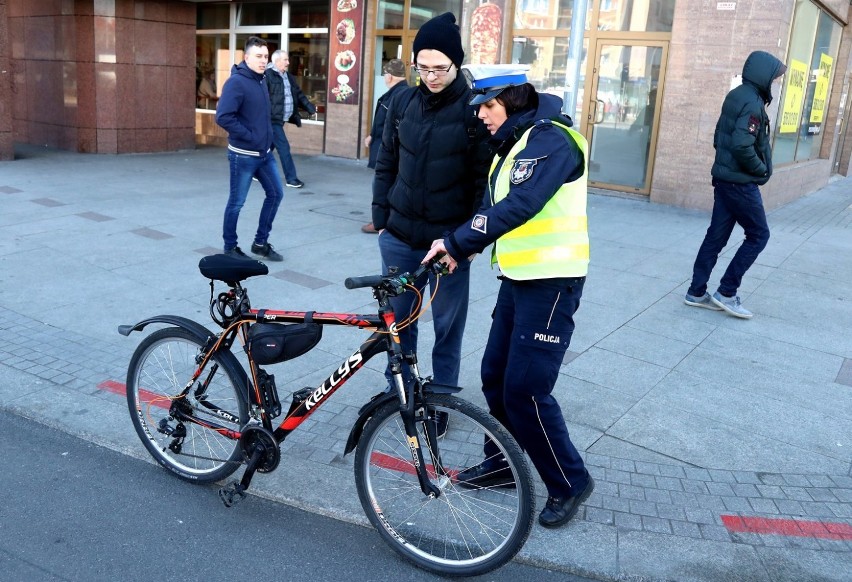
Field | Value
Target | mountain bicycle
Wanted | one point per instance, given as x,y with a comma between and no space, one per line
202,415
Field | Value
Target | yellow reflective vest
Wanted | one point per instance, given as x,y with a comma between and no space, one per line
554,242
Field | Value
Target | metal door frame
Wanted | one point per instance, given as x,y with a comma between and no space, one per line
590,105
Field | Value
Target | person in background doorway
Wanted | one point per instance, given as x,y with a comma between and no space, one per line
286,97
534,213
244,113
743,162
207,97
394,78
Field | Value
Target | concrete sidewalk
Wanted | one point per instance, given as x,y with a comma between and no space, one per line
721,448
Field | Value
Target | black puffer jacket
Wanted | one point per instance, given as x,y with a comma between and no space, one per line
276,98
430,176
743,148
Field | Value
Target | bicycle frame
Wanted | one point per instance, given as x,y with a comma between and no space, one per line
385,339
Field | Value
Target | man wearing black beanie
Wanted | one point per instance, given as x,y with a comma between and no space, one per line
431,173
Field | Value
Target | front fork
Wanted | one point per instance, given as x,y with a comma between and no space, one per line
409,415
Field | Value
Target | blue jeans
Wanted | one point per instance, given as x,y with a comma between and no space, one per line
449,308
732,204
243,169
532,326
279,138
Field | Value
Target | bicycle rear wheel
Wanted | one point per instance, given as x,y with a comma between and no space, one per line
464,531
159,370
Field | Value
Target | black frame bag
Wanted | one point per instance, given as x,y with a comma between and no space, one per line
272,343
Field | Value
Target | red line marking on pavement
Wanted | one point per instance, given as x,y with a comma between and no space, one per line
157,400
402,465
801,528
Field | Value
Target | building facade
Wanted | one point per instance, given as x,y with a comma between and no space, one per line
115,76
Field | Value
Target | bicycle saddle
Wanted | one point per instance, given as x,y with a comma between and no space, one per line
230,269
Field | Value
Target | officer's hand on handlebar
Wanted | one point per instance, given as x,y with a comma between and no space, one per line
437,249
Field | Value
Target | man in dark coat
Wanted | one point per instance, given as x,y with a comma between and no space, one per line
243,112
431,173
743,162
394,78
285,97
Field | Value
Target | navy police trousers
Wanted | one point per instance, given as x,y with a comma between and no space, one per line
532,328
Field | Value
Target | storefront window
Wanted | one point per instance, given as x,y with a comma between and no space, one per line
814,44
548,60
305,37
546,14
389,14
636,15
309,63
213,16
423,10
212,67
310,14
259,14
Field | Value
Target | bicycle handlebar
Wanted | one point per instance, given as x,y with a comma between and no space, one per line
358,282
396,283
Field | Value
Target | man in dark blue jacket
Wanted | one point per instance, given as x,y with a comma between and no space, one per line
285,98
743,162
244,113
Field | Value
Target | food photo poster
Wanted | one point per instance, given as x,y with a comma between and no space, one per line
483,25
347,21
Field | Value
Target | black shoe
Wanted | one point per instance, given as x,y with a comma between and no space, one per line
559,510
443,420
295,184
491,473
237,253
266,251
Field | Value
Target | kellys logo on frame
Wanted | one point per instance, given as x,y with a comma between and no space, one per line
347,33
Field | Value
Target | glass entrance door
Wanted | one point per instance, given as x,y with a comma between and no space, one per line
621,113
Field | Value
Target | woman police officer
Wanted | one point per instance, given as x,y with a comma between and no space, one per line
534,212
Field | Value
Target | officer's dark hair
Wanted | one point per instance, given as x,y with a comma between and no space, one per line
253,41
517,98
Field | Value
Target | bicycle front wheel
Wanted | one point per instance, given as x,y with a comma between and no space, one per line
463,531
160,368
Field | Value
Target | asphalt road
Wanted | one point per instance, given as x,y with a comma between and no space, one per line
72,510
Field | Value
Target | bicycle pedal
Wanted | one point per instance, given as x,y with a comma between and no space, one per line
232,494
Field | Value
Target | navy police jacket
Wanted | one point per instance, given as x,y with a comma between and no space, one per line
558,161
244,112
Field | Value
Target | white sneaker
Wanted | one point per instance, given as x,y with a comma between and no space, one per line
732,305
703,301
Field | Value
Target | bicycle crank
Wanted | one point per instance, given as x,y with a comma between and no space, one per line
258,440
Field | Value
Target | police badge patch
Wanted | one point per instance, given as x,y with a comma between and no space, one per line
753,123
522,170
480,223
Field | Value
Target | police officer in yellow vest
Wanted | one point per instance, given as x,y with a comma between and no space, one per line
534,212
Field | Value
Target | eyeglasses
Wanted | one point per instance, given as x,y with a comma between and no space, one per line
437,71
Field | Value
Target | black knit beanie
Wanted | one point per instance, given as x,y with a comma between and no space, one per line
441,34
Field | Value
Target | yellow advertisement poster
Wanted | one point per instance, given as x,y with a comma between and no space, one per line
821,90
794,93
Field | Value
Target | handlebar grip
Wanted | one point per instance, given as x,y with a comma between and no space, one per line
358,282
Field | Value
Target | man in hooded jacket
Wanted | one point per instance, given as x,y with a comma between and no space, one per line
743,162
244,112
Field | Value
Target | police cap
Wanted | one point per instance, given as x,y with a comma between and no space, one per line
488,81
